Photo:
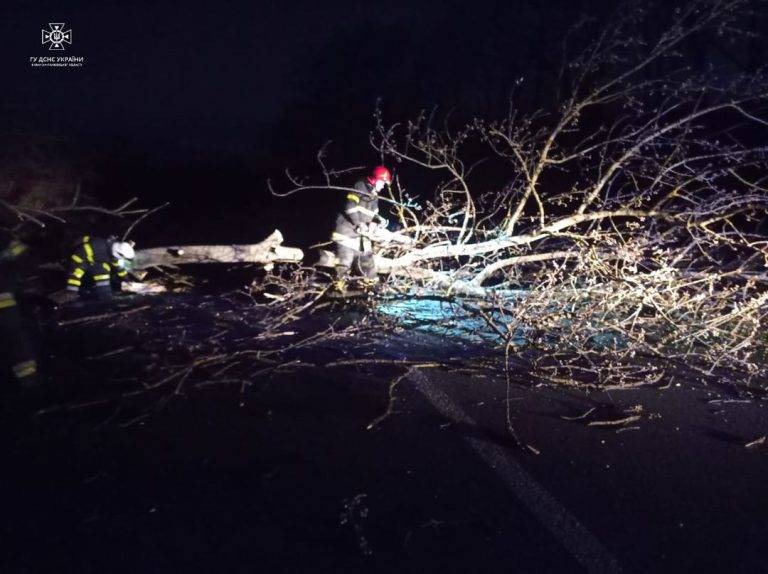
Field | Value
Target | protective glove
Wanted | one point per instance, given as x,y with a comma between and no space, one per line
124,264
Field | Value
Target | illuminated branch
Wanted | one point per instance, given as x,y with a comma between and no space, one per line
628,214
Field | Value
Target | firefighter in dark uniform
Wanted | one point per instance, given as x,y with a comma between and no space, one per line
16,350
360,216
99,266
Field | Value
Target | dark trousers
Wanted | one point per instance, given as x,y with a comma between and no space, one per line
362,261
17,356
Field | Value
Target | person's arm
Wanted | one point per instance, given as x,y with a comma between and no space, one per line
12,262
352,209
382,221
367,208
117,277
13,249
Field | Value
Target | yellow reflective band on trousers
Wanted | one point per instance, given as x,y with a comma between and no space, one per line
77,259
353,197
75,282
106,267
88,251
7,300
101,277
78,273
25,369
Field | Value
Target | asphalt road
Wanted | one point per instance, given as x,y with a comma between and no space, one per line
288,477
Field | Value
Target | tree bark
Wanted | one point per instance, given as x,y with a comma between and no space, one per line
266,252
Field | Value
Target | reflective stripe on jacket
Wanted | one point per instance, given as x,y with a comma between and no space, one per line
361,207
92,260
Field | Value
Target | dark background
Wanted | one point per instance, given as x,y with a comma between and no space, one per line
200,105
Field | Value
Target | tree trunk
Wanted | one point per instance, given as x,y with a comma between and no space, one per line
266,253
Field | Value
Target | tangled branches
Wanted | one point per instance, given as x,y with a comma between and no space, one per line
52,209
628,214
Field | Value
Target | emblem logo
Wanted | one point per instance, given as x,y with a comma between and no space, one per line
57,36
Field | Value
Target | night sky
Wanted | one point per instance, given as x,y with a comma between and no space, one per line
181,102
223,75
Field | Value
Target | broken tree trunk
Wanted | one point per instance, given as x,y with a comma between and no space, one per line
266,253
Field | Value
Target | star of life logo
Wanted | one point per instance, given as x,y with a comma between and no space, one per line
57,36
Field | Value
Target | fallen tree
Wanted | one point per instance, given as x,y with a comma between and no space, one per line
267,253
628,211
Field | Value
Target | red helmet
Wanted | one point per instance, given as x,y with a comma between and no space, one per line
380,173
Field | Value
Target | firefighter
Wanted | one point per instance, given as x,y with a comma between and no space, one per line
354,226
16,349
99,266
